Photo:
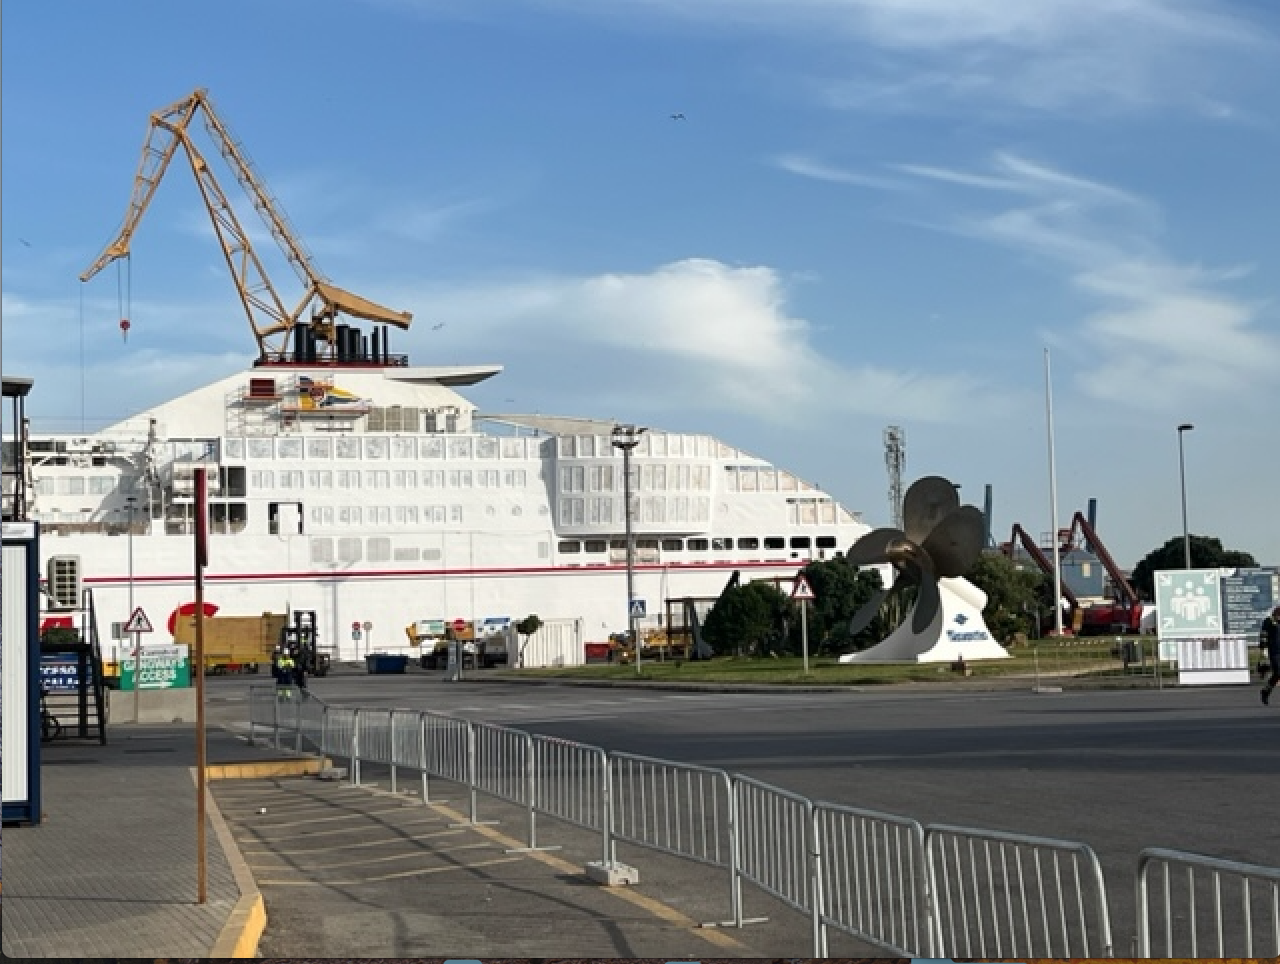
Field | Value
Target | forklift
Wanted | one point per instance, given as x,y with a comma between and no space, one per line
300,640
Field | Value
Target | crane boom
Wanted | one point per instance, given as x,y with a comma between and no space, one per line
272,323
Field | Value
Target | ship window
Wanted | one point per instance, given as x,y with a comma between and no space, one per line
379,548
513,448
658,444
346,448
513,478
433,515
322,517
595,545
647,544
320,480
827,513
262,480
697,545
455,514
431,555
233,480
672,545
349,549
404,480
322,550
407,554
775,542
801,542
826,542
71,485
569,546
404,448
377,479
721,544
460,479
586,446
433,479
748,542
431,422
431,448
566,446
459,448
406,515
768,480
348,479
319,448
486,448
44,485
289,448
747,479
233,448
544,550
259,448
451,422
701,509
284,518
376,447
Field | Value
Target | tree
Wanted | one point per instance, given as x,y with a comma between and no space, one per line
839,590
1206,553
753,618
526,628
1016,597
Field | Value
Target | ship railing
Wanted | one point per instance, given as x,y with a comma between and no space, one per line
933,891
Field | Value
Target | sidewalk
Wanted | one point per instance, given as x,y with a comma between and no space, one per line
111,870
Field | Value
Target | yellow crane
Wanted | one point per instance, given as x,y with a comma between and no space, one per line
272,323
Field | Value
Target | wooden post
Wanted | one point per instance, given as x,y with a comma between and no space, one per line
201,558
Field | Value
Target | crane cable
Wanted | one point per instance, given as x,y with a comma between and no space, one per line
124,294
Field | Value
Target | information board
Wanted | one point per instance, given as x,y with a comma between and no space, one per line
1248,595
160,667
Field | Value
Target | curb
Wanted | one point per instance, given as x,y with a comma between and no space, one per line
261,769
244,927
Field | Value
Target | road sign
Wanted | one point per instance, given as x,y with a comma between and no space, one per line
459,625
638,608
355,635
355,625
138,622
801,590
367,626
1189,603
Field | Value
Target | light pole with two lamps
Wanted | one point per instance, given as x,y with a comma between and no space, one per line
626,438
1182,478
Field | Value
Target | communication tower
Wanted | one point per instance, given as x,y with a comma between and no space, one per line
895,459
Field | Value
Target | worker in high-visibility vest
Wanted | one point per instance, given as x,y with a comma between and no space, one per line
282,667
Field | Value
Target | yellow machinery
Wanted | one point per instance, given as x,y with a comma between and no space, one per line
272,322
234,644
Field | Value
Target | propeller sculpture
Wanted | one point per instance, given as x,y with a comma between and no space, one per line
942,538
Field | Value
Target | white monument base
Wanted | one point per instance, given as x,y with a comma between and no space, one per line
957,632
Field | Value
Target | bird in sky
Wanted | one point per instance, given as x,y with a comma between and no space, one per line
677,116
437,327
25,241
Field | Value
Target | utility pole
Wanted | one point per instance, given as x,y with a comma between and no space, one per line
132,502
626,438
1182,477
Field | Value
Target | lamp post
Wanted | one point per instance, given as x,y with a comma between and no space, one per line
1182,478
626,438
132,503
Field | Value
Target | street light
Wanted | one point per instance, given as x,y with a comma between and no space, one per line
627,437
132,503
1182,476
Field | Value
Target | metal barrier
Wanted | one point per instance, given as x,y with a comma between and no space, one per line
1010,895
406,746
262,710
446,750
1244,922
676,808
776,848
340,734
571,783
876,879
502,766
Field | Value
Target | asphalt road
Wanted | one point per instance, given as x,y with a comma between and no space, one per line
1188,768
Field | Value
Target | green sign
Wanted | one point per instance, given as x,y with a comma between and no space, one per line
1189,603
159,668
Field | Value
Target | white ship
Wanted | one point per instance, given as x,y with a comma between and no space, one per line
373,493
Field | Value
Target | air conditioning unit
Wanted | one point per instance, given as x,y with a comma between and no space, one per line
64,582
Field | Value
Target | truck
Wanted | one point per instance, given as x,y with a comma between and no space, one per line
233,644
486,643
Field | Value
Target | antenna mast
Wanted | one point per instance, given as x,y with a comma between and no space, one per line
895,459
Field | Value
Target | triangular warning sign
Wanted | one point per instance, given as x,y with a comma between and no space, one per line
138,622
801,589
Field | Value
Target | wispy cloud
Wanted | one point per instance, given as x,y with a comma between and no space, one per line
1161,329
720,336
822,171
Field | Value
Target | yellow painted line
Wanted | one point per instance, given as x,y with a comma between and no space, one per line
247,831
396,876
247,921
360,844
405,856
654,907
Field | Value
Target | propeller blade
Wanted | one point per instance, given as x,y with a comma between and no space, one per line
872,547
862,618
928,604
956,542
927,501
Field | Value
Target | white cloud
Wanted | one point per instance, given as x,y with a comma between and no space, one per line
1162,330
717,336
822,171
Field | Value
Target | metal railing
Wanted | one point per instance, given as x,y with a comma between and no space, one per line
1211,908
1011,895
916,891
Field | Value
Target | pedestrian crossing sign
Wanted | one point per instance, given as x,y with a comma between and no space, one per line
801,590
138,622
637,608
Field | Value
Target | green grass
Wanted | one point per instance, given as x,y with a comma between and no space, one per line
1092,659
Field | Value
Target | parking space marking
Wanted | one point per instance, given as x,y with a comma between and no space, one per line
249,835
355,882
357,845
329,819
378,860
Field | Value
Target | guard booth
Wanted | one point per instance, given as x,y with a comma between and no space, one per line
20,671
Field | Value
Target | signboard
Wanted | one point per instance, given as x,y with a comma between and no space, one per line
638,608
1189,603
60,672
138,622
802,590
1248,596
159,668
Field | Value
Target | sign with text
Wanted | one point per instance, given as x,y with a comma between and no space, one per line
60,672
1248,596
159,668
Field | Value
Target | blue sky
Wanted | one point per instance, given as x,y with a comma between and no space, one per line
873,213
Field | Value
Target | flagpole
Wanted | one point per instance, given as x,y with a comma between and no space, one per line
1053,501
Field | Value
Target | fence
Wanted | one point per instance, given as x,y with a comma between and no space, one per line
913,891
